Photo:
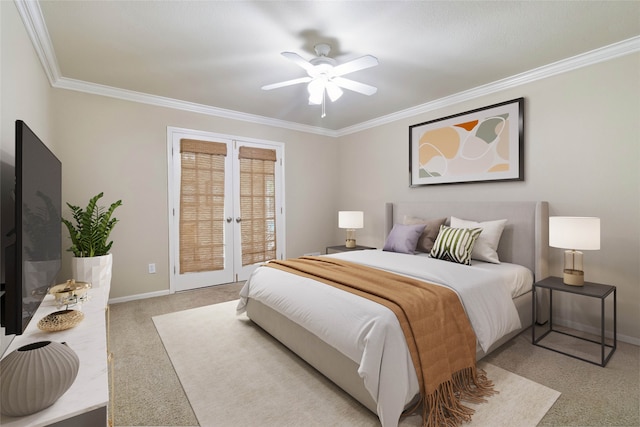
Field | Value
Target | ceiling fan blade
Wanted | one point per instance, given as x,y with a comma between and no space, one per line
299,60
361,63
354,86
287,83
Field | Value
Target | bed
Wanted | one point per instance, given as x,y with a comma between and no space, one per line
270,302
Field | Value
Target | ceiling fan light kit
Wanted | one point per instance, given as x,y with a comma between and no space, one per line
324,76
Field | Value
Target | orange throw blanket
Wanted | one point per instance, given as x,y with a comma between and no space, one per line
438,333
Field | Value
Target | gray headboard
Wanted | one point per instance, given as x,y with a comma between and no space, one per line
524,241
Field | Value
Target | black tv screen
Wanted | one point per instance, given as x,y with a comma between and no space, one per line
33,259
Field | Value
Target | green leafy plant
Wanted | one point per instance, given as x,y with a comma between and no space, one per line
90,232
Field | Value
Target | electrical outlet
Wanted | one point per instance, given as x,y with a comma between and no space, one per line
152,268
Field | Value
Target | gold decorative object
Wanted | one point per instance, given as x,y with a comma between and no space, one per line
60,320
71,292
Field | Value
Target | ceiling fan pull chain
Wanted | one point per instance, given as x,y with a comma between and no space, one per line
323,112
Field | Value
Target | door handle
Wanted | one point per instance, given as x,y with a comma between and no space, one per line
229,219
238,219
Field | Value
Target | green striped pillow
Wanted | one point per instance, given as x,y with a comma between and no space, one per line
455,244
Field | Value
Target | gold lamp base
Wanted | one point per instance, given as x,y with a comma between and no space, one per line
573,277
350,242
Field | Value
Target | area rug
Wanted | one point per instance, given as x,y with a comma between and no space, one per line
235,374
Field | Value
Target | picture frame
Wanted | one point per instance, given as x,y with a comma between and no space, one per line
481,145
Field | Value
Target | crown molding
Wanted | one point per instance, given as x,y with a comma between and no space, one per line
606,53
31,15
161,101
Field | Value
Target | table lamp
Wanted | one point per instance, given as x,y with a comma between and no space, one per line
351,220
574,234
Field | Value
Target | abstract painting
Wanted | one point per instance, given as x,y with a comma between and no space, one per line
481,145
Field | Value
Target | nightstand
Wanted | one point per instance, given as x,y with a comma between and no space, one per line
592,290
343,248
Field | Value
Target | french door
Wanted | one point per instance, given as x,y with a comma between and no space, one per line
225,207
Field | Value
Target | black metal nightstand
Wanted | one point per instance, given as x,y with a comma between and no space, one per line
593,290
343,248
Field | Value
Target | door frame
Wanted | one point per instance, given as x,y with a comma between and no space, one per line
171,176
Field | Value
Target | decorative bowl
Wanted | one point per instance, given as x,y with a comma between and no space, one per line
70,292
60,320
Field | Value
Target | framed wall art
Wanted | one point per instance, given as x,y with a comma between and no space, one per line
486,144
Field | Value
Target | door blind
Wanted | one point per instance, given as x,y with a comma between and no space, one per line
202,205
257,204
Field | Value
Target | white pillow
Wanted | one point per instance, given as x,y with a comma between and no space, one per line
486,246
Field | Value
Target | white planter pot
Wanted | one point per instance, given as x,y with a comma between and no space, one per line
95,270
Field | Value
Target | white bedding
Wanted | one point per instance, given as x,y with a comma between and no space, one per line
364,330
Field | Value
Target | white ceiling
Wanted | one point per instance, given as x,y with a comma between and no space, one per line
214,56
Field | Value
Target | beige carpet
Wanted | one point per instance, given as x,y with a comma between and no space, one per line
234,374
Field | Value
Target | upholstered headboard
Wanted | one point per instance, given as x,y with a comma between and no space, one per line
524,241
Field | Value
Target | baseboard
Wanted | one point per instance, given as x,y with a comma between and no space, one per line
151,295
138,296
595,331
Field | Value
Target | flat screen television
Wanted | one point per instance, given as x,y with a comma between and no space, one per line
33,255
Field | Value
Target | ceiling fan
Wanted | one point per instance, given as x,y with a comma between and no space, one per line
324,75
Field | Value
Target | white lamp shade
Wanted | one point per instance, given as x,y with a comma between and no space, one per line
350,219
573,232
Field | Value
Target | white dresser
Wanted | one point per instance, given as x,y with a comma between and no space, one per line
86,401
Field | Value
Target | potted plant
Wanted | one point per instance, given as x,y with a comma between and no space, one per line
89,233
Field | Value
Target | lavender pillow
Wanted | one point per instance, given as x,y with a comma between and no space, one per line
431,230
403,238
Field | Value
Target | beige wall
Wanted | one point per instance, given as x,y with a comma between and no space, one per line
582,155
120,148
24,86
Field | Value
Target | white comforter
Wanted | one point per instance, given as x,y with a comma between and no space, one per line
364,330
